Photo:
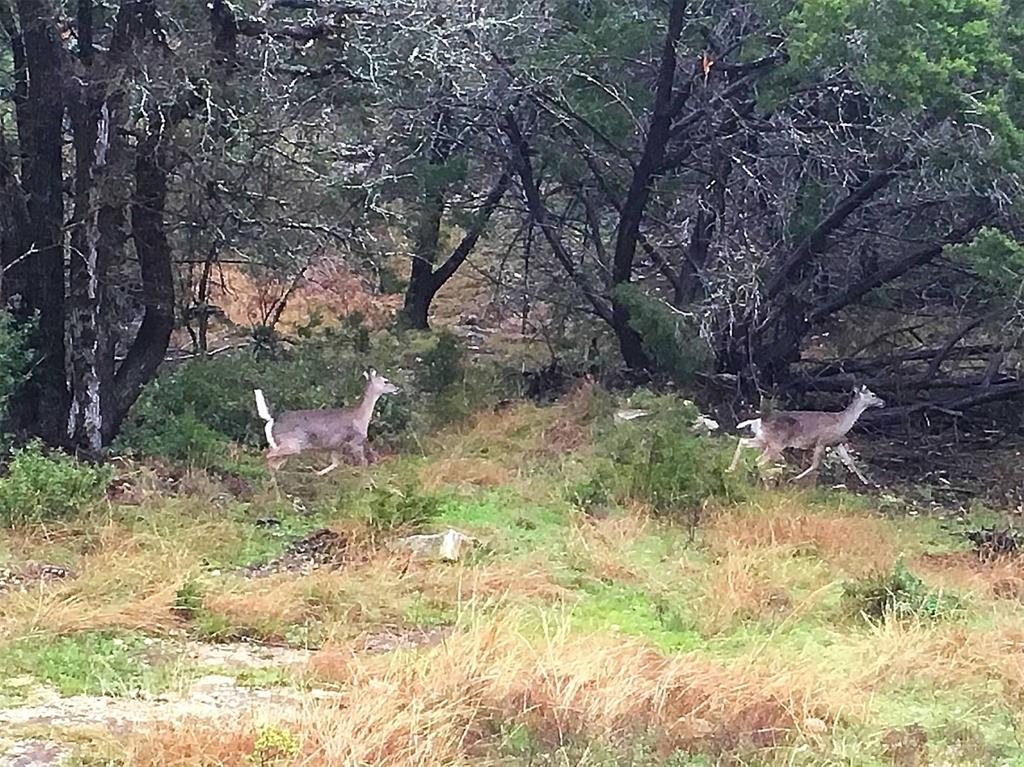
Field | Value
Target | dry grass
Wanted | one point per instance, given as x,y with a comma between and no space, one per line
949,656
328,288
598,545
122,580
443,707
1000,577
523,431
446,473
857,544
741,588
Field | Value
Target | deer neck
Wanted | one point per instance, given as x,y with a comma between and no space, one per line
853,411
364,410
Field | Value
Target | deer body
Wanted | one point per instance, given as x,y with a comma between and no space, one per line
807,430
333,431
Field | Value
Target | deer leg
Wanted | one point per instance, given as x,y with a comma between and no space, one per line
328,469
743,442
276,456
275,460
819,451
358,449
847,459
768,455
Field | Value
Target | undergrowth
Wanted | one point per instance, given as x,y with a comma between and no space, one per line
42,485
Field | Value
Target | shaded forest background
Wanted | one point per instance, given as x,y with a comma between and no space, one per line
765,201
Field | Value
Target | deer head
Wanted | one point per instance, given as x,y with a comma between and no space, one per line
378,384
867,398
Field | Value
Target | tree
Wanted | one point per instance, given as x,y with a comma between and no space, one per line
765,159
139,93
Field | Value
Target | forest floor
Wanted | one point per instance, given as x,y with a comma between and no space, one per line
197,621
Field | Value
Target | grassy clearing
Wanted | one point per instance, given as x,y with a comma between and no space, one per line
618,632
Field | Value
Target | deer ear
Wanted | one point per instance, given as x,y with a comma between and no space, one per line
373,372
366,375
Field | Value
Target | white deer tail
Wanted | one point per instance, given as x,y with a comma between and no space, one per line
264,411
754,424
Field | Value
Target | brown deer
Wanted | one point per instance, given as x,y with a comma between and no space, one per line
333,431
807,429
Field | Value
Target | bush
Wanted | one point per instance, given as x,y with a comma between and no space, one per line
443,364
42,486
274,745
671,341
660,461
183,438
897,594
15,355
213,399
385,509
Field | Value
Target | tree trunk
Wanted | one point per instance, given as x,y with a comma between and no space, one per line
91,126
421,289
154,253
666,105
38,277
425,281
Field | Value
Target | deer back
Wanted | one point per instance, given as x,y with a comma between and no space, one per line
802,429
318,429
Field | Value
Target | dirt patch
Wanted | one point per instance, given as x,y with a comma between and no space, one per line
934,473
34,753
392,639
210,697
990,543
245,656
906,746
319,549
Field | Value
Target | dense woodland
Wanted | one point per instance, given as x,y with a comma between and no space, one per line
772,197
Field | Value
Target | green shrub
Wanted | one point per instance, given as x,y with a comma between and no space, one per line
217,394
660,461
193,411
15,355
385,509
42,486
88,663
183,438
274,745
442,364
188,601
592,494
898,594
670,340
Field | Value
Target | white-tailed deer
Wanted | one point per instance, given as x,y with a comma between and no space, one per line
807,429
333,431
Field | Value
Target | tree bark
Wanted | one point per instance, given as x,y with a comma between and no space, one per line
425,243
155,264
38,277
666,105
425,281
87,305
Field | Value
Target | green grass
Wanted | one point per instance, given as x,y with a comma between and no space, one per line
658,582
91,663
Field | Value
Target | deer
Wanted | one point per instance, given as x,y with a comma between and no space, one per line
333,431
806,429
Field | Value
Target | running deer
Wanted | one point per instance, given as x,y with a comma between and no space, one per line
806,429
334,431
